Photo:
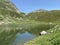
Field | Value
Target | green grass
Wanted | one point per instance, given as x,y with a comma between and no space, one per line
48,39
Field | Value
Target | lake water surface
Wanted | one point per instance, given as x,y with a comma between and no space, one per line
15,37
18,35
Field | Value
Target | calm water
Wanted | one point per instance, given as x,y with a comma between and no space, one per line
18,35
22,38
15,37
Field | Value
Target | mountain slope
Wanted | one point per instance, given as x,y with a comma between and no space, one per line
45,16
8,11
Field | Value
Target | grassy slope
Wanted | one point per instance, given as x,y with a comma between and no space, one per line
48,16
48,39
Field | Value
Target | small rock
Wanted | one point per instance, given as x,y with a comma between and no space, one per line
43,33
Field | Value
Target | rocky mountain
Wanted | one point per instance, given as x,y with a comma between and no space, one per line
8,11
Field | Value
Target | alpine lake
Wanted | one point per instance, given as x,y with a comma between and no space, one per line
11,34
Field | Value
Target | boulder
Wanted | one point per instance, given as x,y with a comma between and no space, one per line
43,33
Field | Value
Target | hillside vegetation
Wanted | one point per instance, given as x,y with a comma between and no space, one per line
45,16
48,39
9,12
37,20
51,17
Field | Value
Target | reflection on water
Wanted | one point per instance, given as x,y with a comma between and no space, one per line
15,35
6,38
22,38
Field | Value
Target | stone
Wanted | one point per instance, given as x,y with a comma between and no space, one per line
43,33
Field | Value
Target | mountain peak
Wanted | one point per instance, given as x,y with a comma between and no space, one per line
40,10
